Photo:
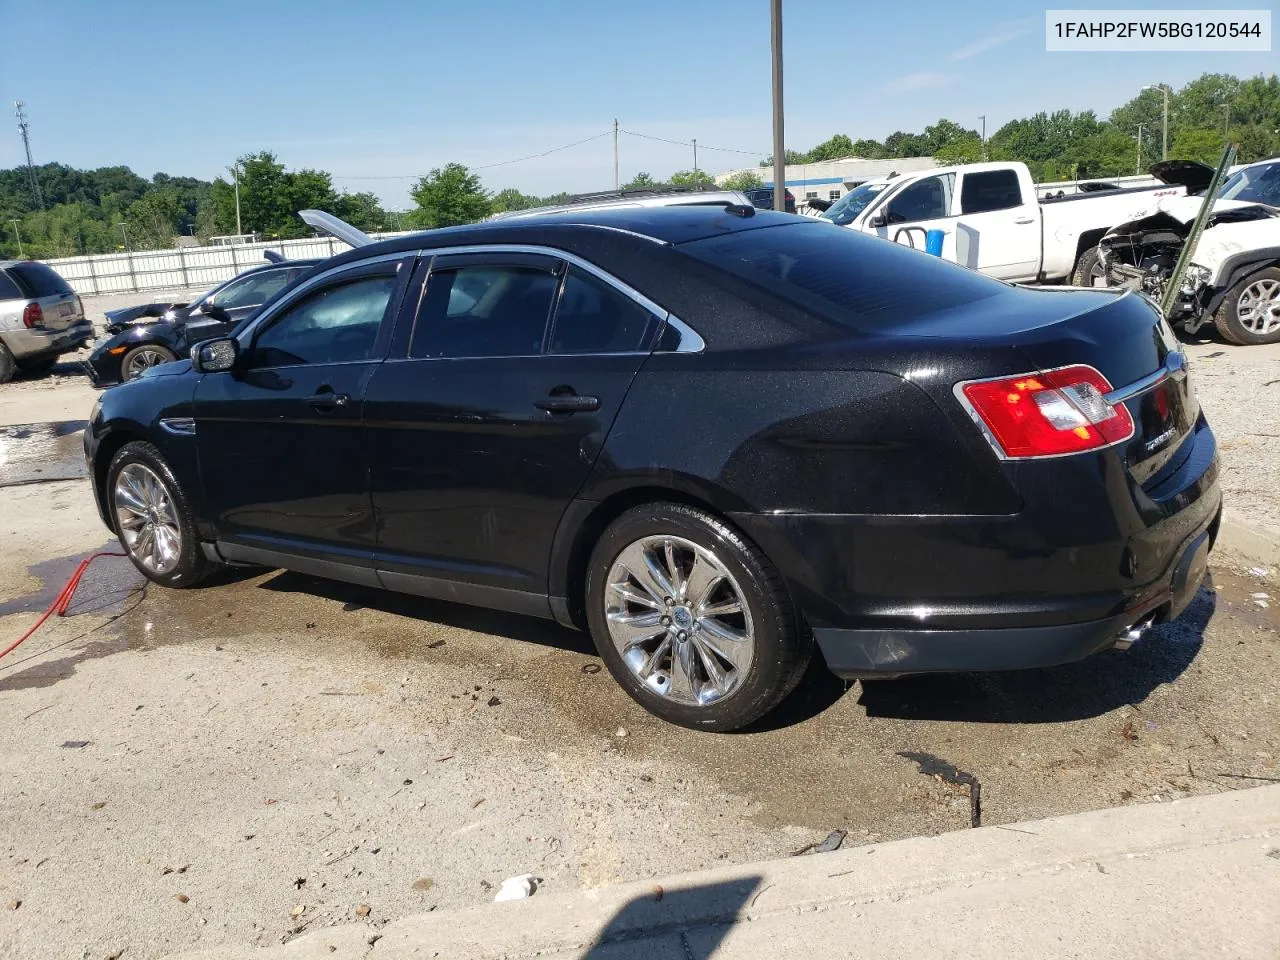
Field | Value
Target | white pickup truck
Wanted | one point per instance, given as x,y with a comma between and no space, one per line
992,220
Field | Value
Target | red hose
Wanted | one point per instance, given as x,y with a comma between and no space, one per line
63,599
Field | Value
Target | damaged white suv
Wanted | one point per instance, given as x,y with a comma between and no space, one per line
1233,279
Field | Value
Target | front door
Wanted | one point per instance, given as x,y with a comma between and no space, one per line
916,209
282,452
481,436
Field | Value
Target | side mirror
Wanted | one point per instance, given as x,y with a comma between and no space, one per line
879,220
216,356
215,312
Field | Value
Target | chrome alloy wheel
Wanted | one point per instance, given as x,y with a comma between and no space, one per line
144,358
679,620
147,519
1258,308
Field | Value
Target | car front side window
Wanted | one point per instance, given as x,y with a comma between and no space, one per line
927,199
336,324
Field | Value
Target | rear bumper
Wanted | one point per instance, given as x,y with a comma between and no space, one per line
1093,555
895,651
37,343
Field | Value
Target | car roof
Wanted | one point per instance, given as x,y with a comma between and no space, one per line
667,225
639,197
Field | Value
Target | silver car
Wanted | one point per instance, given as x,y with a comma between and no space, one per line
633,198
40,318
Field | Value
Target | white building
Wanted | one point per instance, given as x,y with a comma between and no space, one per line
832,179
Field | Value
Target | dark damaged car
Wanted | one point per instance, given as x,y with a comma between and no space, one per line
140,337
721,440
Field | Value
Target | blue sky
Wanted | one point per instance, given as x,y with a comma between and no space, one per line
379,89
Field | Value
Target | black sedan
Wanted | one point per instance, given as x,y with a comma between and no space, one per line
710,436
142,336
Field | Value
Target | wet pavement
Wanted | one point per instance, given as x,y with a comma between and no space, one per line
38,452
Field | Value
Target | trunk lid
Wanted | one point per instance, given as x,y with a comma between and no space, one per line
1121,335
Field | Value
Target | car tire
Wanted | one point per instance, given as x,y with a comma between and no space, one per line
1087,267
8,366
39,367
760,652
152,517
1261,295
143,357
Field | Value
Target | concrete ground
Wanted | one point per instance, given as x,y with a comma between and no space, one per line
1193,878
188,769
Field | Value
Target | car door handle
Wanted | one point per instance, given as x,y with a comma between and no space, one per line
568,403
328,400
1025,220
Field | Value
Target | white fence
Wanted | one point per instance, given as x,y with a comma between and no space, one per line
201,267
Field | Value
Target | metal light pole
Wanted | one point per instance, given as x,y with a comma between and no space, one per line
1137,167
1163,88
779,150
695,158
17,234
615,153
127,248
983,118
235,173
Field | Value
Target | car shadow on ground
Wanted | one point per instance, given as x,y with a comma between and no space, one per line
526,629
1073,691
689,921
65,367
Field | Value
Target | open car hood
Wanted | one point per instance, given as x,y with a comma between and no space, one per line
1192,174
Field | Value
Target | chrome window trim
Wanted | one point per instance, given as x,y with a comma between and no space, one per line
696,344
296,294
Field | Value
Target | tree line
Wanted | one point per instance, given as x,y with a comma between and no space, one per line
112,208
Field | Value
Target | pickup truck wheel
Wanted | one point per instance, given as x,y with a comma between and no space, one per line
1250,312
8,367
1089,271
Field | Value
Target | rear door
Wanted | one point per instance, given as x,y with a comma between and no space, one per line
998,229
509,377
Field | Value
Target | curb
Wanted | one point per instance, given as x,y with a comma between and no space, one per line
1253,543
1136,866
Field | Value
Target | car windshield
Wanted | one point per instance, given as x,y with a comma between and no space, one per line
853,203
1259,184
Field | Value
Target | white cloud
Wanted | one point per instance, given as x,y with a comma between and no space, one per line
924,80
987,43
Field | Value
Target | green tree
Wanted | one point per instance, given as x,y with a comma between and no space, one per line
449,196
790,157
966,149
743,180
362,211
835,148
513,199
692,178
153,220
869,149
900,144
641,181
1202,145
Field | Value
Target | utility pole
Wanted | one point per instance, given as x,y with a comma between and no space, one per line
1138,166
17,234
615,153
983,118
1163,88
1226,119
779,150
32,180
695,158
235,175
127,248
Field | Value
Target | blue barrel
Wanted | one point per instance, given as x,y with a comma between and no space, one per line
933,242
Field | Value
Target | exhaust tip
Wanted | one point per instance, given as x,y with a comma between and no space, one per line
1133,634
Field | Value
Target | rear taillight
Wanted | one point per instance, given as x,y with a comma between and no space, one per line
32,316
79,306
1047,414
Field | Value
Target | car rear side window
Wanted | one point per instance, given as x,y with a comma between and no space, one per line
594,317
40,281
856,280
991,190
484,311
8,289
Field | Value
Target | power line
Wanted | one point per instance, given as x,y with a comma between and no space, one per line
689,143
487,166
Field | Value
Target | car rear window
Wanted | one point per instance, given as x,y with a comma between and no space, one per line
40,281
859,281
